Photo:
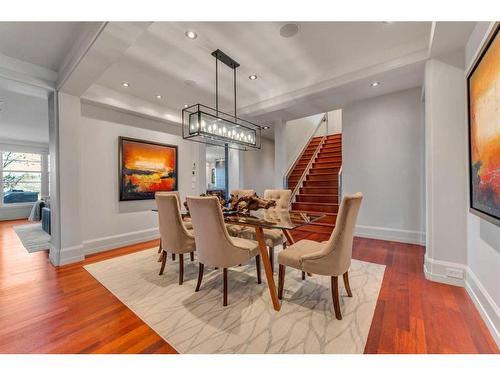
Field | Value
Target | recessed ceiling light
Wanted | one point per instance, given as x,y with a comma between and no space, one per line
288,30
252,77
158,96
191,34
375,84
125,84
265,127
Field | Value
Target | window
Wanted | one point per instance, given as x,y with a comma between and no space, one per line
21,177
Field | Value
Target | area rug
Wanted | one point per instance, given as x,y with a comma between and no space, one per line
33,237
196,322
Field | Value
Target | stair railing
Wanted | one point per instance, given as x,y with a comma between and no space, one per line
299,156
340,184
306,171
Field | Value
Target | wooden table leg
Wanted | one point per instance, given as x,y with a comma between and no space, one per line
267,268
288,236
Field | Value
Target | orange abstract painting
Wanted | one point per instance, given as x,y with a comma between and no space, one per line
146,168
484,122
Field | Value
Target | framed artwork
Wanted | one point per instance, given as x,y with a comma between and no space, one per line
145,168
483,83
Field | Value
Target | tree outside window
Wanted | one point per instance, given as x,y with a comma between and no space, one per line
20,177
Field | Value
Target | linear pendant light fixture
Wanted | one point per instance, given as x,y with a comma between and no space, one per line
209,125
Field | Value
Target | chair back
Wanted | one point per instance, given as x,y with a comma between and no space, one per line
213,244
174,236
334,258
282,197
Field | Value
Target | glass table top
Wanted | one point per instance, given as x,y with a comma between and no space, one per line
273,218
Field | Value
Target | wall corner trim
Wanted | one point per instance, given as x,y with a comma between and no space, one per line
435,270
488,309
67,255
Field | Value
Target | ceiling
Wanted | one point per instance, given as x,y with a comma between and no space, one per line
162,61
23,114
325,66
44,44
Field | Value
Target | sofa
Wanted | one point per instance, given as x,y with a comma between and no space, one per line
20,196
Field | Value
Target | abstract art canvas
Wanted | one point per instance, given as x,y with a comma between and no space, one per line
484,132
145,168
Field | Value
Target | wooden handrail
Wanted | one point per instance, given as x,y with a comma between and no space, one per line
292,167
308,167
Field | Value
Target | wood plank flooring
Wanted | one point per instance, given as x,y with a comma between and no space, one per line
44,309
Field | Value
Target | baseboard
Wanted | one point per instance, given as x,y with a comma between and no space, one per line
391,234
119,240
436,270
489,310
14,212
67,255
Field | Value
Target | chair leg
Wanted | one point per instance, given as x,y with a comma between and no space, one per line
200,276
224,302
281,280
160,258
271,257
181,269
159,247
257,265
346,283
335,296
192,256
163,261
173,256
303,275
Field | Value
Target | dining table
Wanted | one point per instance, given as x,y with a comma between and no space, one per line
272,218
269,218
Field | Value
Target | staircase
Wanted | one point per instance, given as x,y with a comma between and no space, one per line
318,192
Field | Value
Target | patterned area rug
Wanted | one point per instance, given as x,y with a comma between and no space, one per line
198,323
33,237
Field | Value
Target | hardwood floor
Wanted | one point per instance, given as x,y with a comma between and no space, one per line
44,309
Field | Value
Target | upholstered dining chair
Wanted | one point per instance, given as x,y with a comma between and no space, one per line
174,236
330,258
186,221
214,246
272,237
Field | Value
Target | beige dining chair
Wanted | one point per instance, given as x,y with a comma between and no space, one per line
272,237
186,221
174,236
330,258
214,246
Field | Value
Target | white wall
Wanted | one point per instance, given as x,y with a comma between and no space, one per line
89,216
297,134
383,157
66,234
446,177
483,242
291,137
258,168
335,122
106,222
